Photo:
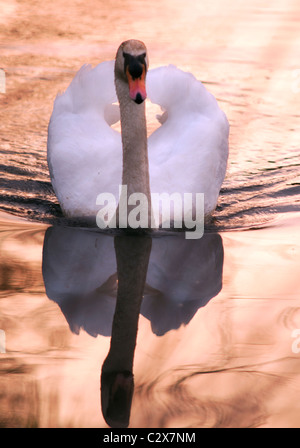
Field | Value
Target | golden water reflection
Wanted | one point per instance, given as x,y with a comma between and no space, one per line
214,345
224,357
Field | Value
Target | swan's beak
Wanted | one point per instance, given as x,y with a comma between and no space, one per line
137,87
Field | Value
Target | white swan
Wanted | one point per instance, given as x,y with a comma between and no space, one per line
186,154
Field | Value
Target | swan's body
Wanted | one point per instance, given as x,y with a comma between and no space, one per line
187,154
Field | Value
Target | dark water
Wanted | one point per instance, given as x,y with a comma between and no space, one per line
207,326
245,201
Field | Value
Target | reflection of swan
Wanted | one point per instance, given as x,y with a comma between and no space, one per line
79,270
132,256
80,274
183,276
84,271
187,154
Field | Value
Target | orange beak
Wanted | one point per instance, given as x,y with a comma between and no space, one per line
137,87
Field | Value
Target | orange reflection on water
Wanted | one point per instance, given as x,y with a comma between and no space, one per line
232,365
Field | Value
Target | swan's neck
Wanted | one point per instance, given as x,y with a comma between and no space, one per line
134,139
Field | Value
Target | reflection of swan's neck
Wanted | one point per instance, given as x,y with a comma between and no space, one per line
134,139
132,255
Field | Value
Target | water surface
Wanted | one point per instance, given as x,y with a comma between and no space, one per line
216,331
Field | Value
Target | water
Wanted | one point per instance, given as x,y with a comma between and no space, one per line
214,344
246,55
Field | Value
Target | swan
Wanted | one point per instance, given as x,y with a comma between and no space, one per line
187,154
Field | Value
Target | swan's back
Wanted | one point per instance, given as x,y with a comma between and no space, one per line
188,153
84,153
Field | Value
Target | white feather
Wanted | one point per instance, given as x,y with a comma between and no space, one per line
187,154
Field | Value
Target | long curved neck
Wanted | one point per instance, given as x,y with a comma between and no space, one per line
134,139
132,254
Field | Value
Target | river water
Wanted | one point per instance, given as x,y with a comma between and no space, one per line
219,320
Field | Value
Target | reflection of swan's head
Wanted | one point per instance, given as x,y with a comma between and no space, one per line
116,396
131,67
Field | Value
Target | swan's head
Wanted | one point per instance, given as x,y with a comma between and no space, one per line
131,67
